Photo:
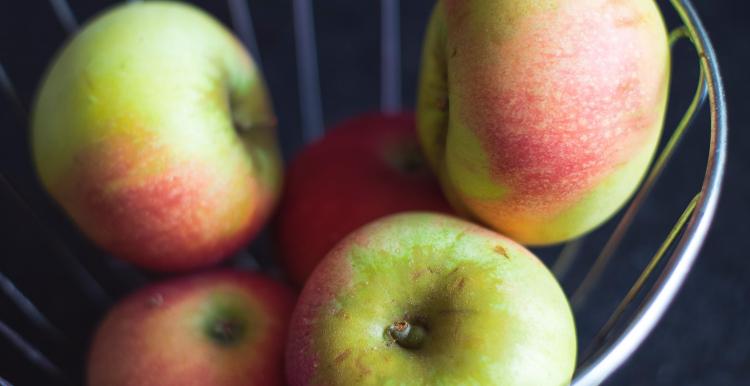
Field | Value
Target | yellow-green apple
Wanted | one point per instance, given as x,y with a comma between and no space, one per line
428,299
154,131
364,168
221,328
541,117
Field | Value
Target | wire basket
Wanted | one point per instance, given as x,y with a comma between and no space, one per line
51,356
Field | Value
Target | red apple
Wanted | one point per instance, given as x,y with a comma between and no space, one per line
225,328
363,169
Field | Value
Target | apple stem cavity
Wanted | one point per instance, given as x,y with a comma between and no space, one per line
407,159
413,163
241,127
226,332
407,335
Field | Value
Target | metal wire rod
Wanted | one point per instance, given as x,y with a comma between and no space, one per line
10,92
657,301
65,15
125,272
390,57
31,353
567,257
243,24
580,295
28,308
307,68
90,286
644,276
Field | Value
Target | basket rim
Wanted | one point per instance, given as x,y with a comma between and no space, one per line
657,301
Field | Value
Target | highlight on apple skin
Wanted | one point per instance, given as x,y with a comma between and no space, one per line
221,328
428,299
364,168
541,117
154,131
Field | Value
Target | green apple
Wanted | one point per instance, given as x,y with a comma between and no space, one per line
428,299
154,131
541,117
223,328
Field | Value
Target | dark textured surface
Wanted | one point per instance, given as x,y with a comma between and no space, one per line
704,339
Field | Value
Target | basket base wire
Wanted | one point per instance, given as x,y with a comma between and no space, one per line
580,295
65,15
674,273
10,92
637,288
31,312
390,57
32,354
83,277
568,255
307,67
242,22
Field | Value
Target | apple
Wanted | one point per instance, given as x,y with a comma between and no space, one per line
541,117
429,299
154,131
362,169
221,328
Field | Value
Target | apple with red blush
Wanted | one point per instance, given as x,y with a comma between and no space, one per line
430,299
364,168
221,328
541,117
154,131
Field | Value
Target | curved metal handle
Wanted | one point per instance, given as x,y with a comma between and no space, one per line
580,296
656,302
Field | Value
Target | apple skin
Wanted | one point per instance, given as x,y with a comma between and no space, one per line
221,328
364,168
494,314
541,117
154,131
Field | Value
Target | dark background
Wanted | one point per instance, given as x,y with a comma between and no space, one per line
704,339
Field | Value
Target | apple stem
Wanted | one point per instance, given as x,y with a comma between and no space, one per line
407,335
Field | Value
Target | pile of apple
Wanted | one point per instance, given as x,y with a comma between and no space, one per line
154,131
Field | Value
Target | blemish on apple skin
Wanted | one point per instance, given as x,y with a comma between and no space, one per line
629,21
457,311
364,370
502,251
442,103
155,300
419,273
341,314
342,356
